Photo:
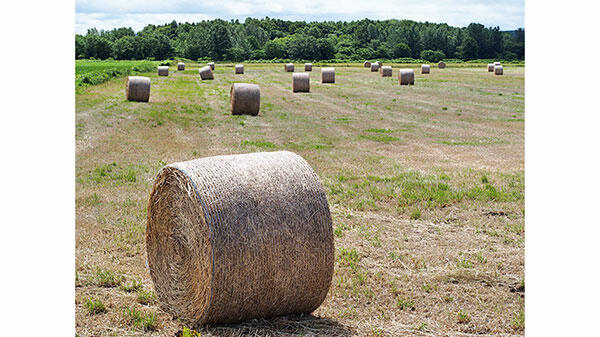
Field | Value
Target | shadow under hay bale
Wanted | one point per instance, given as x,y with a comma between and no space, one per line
206,73
163,71
137,88
239,68
327,75
244,99
180,66
231,238
300,82
406,76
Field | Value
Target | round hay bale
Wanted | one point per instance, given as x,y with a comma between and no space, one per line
442,65
498,70
367,64
374,67
206,73
327,75
386,71
289,67
300,82
490,67
425,68
239,68
211,65
180,66
163,71
137,88
497,63
244,99
231,238
380,64
406,76
307,66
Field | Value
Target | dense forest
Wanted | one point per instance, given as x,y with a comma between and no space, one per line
268,39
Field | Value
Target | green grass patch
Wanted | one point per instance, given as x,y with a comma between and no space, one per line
382,138
91,72
261,144
94,306
145,321
108,278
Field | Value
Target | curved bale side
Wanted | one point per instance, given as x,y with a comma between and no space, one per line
211,65
442,65
239,68
406,76
137,88
307,66
386,71
367,64
425,68
206,73
327,75
300,82
163,71
374,67
180,66
237,237
498,70
244,99
490,67
289,67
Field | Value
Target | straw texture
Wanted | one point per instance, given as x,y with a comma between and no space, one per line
406,76
367,64
498,70
300,82
163,71
425,68
206,73
386,71
231,238
307,66
327,75
137,88
180,66
239,68
211,65
374,67
289,67
442,65
244,99
490,67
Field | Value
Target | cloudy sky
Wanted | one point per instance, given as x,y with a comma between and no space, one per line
108,14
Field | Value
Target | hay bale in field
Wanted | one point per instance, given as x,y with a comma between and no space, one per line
374,67
211,65
137,88
300,82
425,68
442,65
386,71
406,76
307,66
380,64
163,71
367,64
180,66
497,63
244,99
239,68
289,67
206,73
231,238
327,75
498,70
490,67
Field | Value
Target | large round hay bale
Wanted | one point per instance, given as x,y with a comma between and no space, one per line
498,70
211,65
442,65
180,66
406,76
244,99
300,82
307,66
386,71
327,75
239,68
163,71
289,67
374,67
490,67
367,64
425,68
231,238
137,88
206,73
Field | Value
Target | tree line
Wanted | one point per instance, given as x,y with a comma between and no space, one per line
267,39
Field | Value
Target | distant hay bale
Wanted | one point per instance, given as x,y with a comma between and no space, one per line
490,67
497,63
137,88
300,82
406,76
289,67
386,71
425,68
380,64
239,68
206,73
367,64
307,66
180,66
211,65
244,99
163,71
442,65
374,67
237,237
498,70
327,75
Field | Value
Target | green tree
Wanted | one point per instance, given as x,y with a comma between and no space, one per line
432,55
469,49
219,39
275,49
401,50
125,48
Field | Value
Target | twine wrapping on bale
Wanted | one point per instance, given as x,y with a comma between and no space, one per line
490,67
425,68
367,64
406,76
327,75
163,71
307,66
374,67
231,238
386,71
137,88
442,65
300,82
498,70
239,68
206,73
211,65
289,67
244,99
180,66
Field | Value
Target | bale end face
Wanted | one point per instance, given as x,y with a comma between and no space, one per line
307,66
137,88
163,71
180,66
386,71
244,99
498,70
206,73
327,75
425,69
300,82
406,77
442,65
289,67
239,68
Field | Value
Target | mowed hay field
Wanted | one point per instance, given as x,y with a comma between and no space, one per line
425,185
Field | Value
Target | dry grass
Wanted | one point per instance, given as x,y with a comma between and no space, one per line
425,185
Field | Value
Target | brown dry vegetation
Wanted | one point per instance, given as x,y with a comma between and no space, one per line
425,185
